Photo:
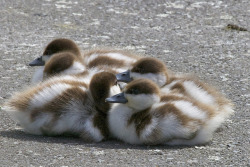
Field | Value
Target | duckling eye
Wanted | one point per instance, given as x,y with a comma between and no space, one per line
134,91
57,70
140,70
48,52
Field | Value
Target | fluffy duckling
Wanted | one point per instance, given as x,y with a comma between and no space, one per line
115,59
65,104
145,117
56,47
186,85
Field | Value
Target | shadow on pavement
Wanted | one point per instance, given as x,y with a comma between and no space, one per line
71,140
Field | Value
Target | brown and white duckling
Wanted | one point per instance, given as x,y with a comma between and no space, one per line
60,46
145,117
65,104
186,85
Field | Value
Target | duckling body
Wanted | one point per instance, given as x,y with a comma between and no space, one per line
116,59
65,104
199,91
147,117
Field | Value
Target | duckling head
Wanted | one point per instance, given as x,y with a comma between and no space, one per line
103,85
139,94
56,46
150,68
62,63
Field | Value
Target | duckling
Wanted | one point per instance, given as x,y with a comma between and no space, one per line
145,117
60,46
187,85
65,104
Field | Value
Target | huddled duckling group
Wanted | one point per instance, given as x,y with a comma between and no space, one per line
111,93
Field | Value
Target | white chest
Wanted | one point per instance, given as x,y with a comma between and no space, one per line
119,127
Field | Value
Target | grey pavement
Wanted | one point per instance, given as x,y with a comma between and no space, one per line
189,36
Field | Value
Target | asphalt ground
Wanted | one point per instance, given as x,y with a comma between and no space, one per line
189,36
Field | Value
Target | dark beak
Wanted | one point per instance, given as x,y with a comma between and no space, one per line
37,62
124,77
119,98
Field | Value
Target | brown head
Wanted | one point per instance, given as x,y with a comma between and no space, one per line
103,85
57,46
62,45
63,63
149,68
139,94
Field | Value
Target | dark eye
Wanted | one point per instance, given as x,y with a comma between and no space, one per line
49,52
115,83
134,91
57,70
140,70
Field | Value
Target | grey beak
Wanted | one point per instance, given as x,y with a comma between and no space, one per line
37,62
119,98
124,77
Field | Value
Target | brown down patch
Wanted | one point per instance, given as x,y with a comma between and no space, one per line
62,45
60,103
142,86
99,87
148,65
168,108
107,61
58,63
103,51
141,120
178,87
100,121
168,98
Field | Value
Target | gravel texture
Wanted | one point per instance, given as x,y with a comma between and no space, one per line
189,36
